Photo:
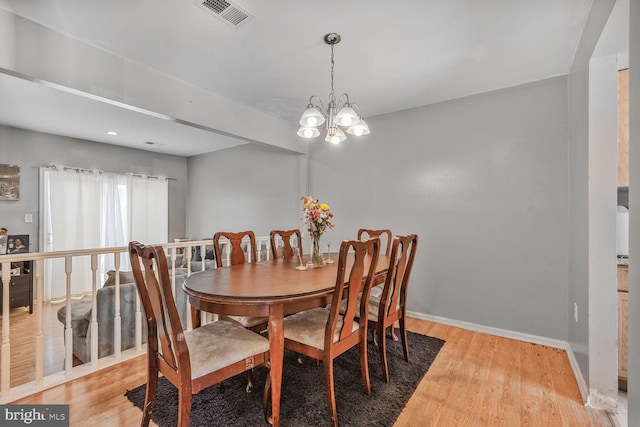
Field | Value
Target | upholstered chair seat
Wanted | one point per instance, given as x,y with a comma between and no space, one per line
233,343
308,327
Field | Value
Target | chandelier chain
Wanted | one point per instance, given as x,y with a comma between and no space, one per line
332,96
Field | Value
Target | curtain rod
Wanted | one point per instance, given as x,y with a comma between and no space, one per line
97,171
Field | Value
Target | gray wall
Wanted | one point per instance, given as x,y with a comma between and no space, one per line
249,187
28,149
483,181
578,132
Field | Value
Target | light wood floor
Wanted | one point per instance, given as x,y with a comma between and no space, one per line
476,380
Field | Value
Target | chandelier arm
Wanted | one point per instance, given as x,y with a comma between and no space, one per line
316,106
356,107
343,103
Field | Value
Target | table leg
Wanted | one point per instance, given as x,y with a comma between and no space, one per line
276,351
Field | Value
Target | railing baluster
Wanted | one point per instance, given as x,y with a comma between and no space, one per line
68,330
6,343
39,295
117,319
94,311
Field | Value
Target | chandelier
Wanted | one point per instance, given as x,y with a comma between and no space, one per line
338,113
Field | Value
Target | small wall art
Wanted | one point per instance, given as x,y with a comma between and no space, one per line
9,182
18,243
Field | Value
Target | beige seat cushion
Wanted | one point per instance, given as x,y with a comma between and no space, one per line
249,322
220,344
308,327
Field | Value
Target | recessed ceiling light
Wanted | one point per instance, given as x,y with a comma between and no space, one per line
112,132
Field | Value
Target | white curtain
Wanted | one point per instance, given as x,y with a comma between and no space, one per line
91,209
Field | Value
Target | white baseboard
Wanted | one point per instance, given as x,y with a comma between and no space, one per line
505,333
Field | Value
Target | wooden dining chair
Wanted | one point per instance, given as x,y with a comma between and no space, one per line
365,233
288,251
256,324
190,360
237,255
323,333
391,305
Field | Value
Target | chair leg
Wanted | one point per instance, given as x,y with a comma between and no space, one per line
184,406
266,395
382,347
393,331
249,381
195,317
364,365
149,398
405,343
330,392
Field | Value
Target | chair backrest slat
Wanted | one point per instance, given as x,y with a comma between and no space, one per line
287,250
367,233
235,240
350,284
403,252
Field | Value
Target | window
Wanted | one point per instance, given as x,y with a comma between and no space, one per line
85,209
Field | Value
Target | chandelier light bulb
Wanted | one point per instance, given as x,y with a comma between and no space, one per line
335,135
359,128
311,117
308,132
346,117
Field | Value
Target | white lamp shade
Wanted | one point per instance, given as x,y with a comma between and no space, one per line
335,135
311,118
360,128
308,132
346,117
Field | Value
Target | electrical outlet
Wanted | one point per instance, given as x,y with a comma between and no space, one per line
28,218
575,311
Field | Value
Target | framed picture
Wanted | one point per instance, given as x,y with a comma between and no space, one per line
18,243
9,182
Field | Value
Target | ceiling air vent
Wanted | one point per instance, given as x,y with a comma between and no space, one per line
230,13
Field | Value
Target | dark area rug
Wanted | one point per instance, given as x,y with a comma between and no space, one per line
303,401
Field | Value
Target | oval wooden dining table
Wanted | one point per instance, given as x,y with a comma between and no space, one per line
272,289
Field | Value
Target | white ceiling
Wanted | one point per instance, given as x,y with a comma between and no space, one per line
393,56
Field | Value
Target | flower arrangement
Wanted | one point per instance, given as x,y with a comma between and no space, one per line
316,215
318,218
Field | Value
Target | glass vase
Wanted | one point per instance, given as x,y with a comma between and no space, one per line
316,255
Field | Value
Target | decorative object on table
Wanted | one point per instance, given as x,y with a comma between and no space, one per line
301,267
329,260
3,240
338,113
318,218
9,182
18,244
